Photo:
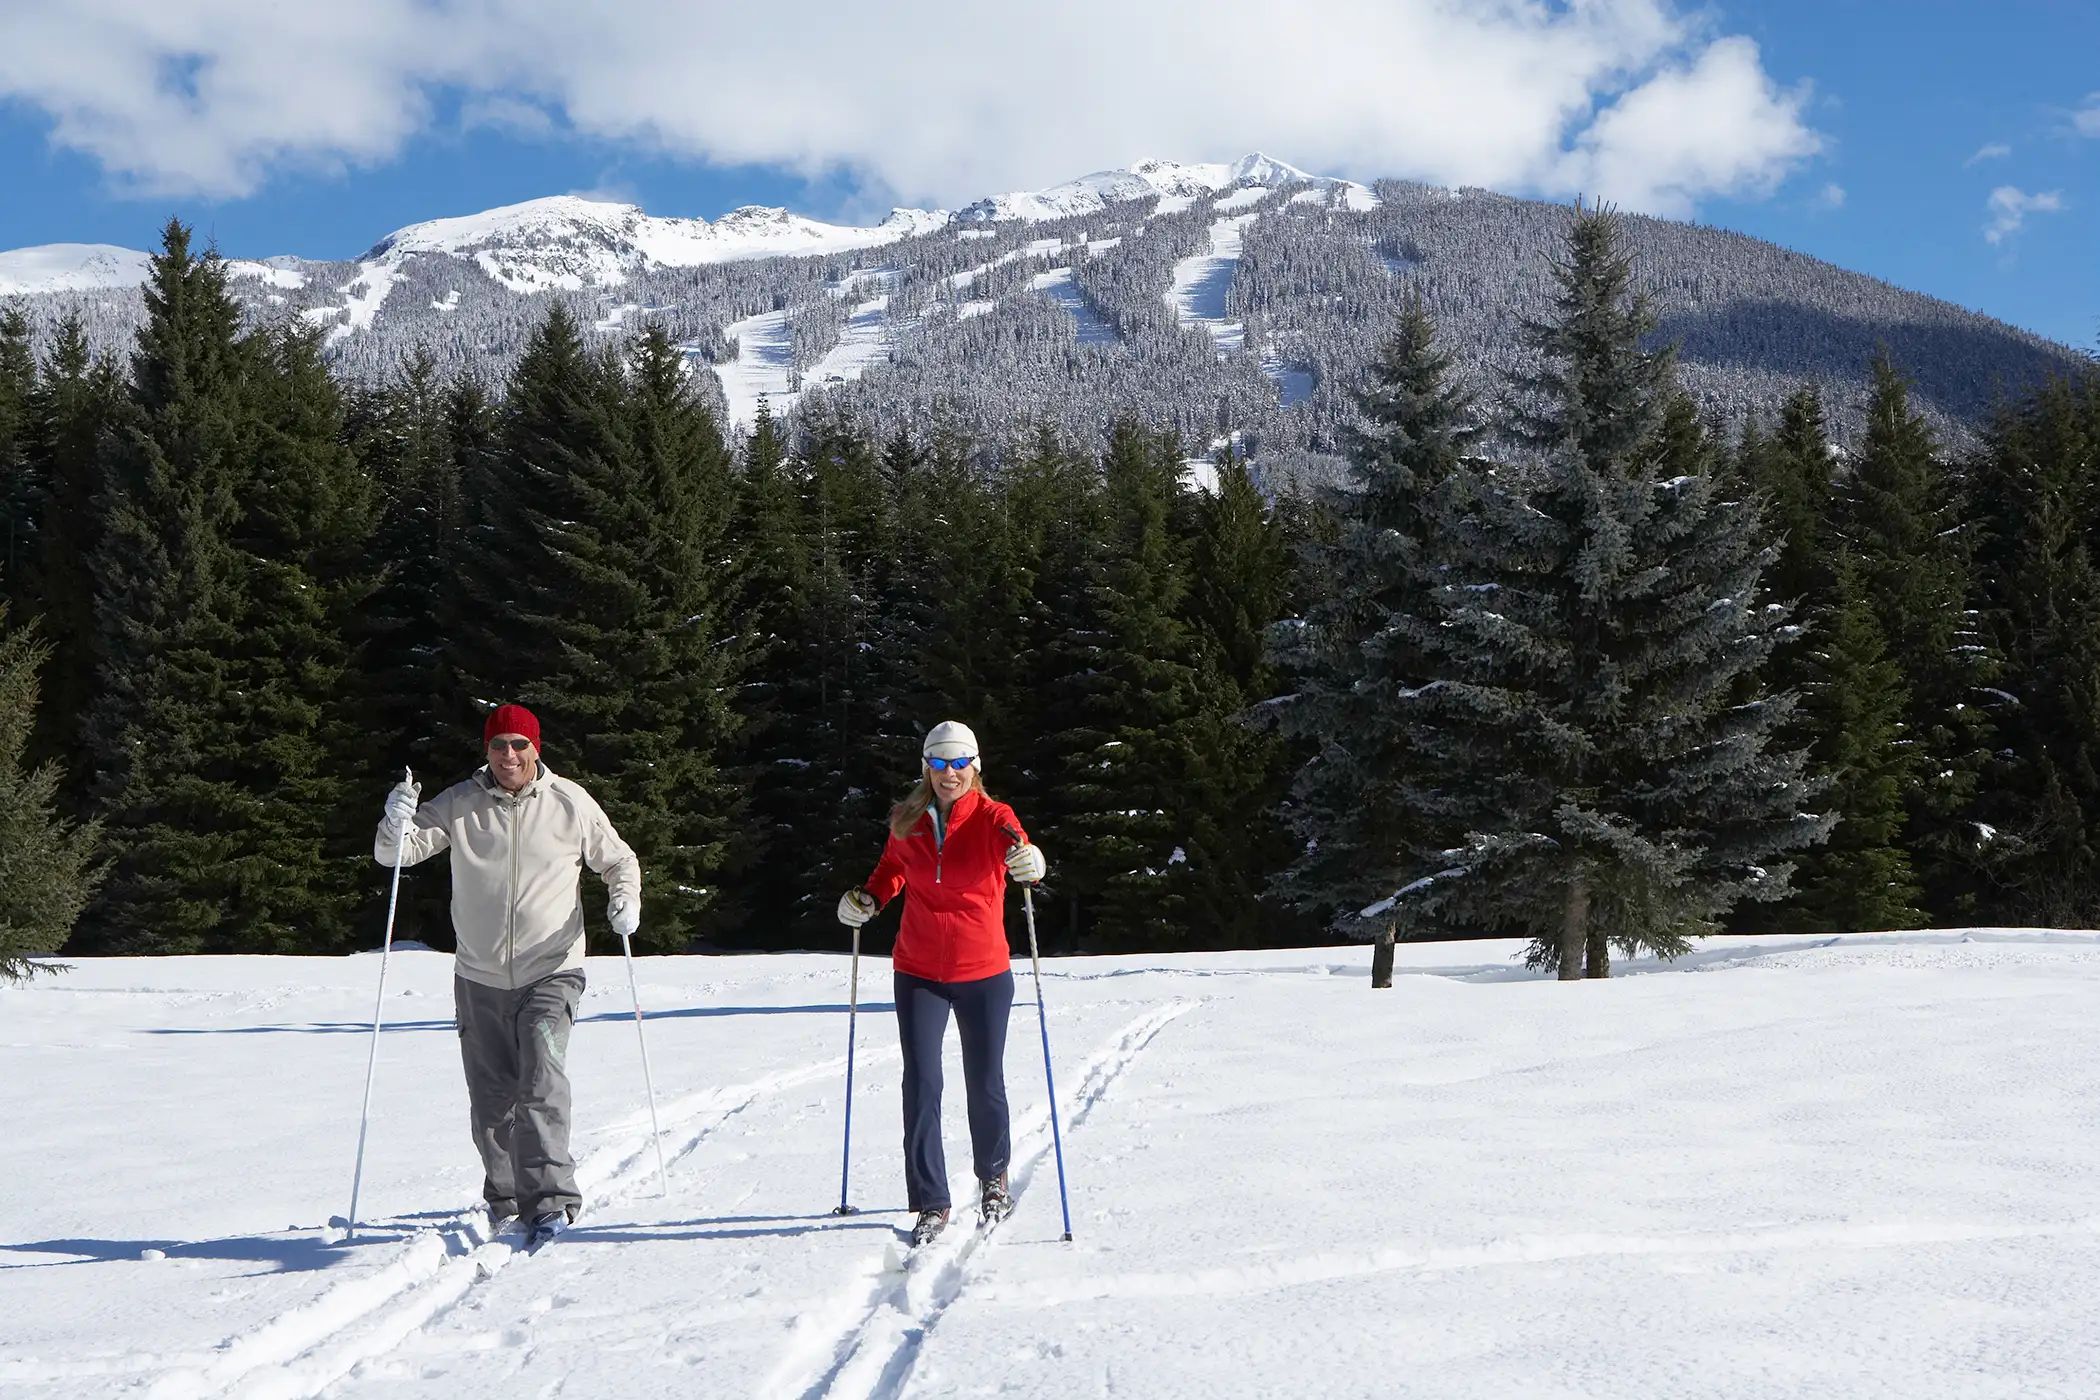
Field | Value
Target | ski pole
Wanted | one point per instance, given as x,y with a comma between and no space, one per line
386,950
663,1178
1042,1021
852,1041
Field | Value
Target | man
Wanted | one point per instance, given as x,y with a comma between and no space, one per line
520,837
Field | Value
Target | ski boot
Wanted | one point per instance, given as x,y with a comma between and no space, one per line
929,1226
994,1201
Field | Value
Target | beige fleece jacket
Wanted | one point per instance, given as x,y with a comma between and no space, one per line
517,863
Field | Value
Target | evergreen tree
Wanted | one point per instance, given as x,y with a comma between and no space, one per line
46,872
1791,470
416,437
20,489
769,559
302,536
1853,703
636,672
2039,582
167,586
556,429
1899,514
1593,726
1051,500
77,401
1241,583
1139,721
233,534
1354,655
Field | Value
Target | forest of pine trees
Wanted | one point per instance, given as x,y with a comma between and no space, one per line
1575,665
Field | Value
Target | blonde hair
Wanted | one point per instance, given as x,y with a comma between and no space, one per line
904,817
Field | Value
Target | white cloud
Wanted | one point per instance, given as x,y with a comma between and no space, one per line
936,100
1996,150
2086,120
2009,208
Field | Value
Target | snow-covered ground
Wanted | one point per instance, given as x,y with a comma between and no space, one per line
764,366
1783,1167
1057,285
1201,282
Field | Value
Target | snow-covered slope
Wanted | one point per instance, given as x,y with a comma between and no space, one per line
1784,1167
70,267
572,243
1176,185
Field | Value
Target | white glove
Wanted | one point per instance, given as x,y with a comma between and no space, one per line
401,805
856,907
624,913
1025,863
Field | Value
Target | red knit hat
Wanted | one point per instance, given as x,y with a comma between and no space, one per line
511,719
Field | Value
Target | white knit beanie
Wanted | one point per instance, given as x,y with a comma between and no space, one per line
949,739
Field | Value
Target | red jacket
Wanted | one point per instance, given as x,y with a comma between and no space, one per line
955,920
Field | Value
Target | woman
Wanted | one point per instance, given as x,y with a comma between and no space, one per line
954,848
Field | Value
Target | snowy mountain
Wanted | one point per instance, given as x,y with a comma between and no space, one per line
1175,186
570,243
1220,299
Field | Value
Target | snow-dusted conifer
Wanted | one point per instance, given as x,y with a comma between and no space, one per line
1899,513
1589,718
2038,581
1359,648
46,873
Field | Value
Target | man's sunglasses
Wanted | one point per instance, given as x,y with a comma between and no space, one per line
514,745
940,765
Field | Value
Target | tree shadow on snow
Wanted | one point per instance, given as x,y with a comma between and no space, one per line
286,1253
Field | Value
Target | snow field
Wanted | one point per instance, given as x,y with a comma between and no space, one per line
1200,288
1855,1167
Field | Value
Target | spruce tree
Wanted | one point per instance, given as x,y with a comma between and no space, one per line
46,870
1134,742
295,726
77,401
416,437
2039,584
770,566
556,429
1589,718
1241,582
1853,703
233,531
636,670
167,603
1792,472
1355,654
1899,513
20,488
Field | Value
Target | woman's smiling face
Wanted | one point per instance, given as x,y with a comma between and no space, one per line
949,783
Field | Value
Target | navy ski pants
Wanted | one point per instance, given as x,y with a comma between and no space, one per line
982,1009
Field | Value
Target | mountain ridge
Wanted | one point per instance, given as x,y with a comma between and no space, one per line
1232,301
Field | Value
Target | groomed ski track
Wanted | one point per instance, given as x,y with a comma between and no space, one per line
862,1342
301,1352
865,1341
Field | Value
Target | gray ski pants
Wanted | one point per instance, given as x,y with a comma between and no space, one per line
515,1046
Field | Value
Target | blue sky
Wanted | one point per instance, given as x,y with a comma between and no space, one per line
1952,148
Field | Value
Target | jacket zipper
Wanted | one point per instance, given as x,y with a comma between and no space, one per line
510,912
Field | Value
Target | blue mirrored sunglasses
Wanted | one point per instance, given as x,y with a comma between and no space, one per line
942,764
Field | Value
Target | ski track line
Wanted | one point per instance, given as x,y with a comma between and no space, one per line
296,1354
1528,1249
880,1323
